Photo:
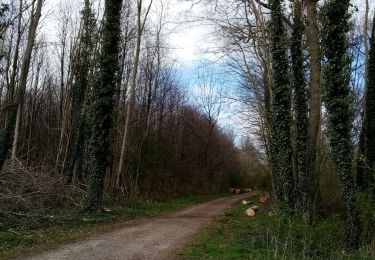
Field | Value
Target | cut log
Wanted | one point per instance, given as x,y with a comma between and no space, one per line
232,190
264,199
250,212
238,191
255,208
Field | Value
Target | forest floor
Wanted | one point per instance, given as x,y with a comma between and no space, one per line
155,237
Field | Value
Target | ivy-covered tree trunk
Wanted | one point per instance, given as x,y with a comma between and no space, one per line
367,172
102,101
4,8
6,131
81,68
300,108
280,121
338,100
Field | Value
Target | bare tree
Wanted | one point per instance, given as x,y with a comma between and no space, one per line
211,101
141,22
12,123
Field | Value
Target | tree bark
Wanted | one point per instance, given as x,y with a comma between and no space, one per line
300,108
367,174
362,172
315,102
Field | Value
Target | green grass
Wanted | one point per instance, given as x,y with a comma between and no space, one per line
237,236
41,232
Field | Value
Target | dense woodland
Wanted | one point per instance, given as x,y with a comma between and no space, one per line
104,110
102,113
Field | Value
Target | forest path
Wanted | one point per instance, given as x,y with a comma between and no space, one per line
146,238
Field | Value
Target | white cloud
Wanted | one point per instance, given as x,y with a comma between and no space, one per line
188,37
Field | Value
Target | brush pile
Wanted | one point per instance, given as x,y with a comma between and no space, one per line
27,194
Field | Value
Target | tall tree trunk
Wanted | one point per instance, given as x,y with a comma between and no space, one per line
363,179
78,93
6,134
335,27
65,99
129,109
133,86
101,109
12,84
280,109
13,87
17,132
367,178
300,107
312,32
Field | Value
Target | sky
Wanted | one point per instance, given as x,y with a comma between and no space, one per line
188,40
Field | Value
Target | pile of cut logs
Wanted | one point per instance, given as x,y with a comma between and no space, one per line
253,209
239,190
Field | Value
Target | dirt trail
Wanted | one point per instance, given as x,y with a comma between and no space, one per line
146,238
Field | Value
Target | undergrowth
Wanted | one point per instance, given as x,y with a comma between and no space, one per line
274,236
